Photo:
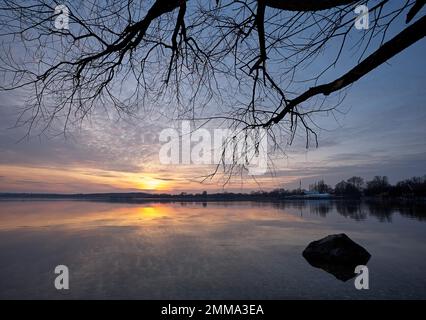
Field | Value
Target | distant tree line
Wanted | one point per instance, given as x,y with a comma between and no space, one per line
354,187
378,186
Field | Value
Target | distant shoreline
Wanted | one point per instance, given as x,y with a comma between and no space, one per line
167,198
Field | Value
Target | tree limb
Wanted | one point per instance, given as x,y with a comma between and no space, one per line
403,40
415,9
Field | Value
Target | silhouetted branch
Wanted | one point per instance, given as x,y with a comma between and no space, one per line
403,40
246,64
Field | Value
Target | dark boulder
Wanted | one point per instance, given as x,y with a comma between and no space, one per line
336,254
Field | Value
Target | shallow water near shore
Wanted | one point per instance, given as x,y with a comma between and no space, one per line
215,250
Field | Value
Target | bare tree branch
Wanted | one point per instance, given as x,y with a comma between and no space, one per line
403,40
309,5
244,64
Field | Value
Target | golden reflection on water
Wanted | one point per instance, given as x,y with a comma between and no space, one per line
219,250
77,214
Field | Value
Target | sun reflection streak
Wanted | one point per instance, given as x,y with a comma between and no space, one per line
72,214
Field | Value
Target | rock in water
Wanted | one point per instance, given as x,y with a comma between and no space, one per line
336,254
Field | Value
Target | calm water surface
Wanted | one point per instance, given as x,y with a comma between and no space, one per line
241,250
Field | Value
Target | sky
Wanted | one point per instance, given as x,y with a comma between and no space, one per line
382,131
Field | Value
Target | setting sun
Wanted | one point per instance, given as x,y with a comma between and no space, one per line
150,183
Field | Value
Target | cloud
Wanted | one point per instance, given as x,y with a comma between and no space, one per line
102,144
383,133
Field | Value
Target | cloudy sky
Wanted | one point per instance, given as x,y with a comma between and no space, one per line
381,131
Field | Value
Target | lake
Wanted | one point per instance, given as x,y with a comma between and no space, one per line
215,250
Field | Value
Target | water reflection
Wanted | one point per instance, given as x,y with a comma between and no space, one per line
353,210
231,250
69,213
340,271
359,210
